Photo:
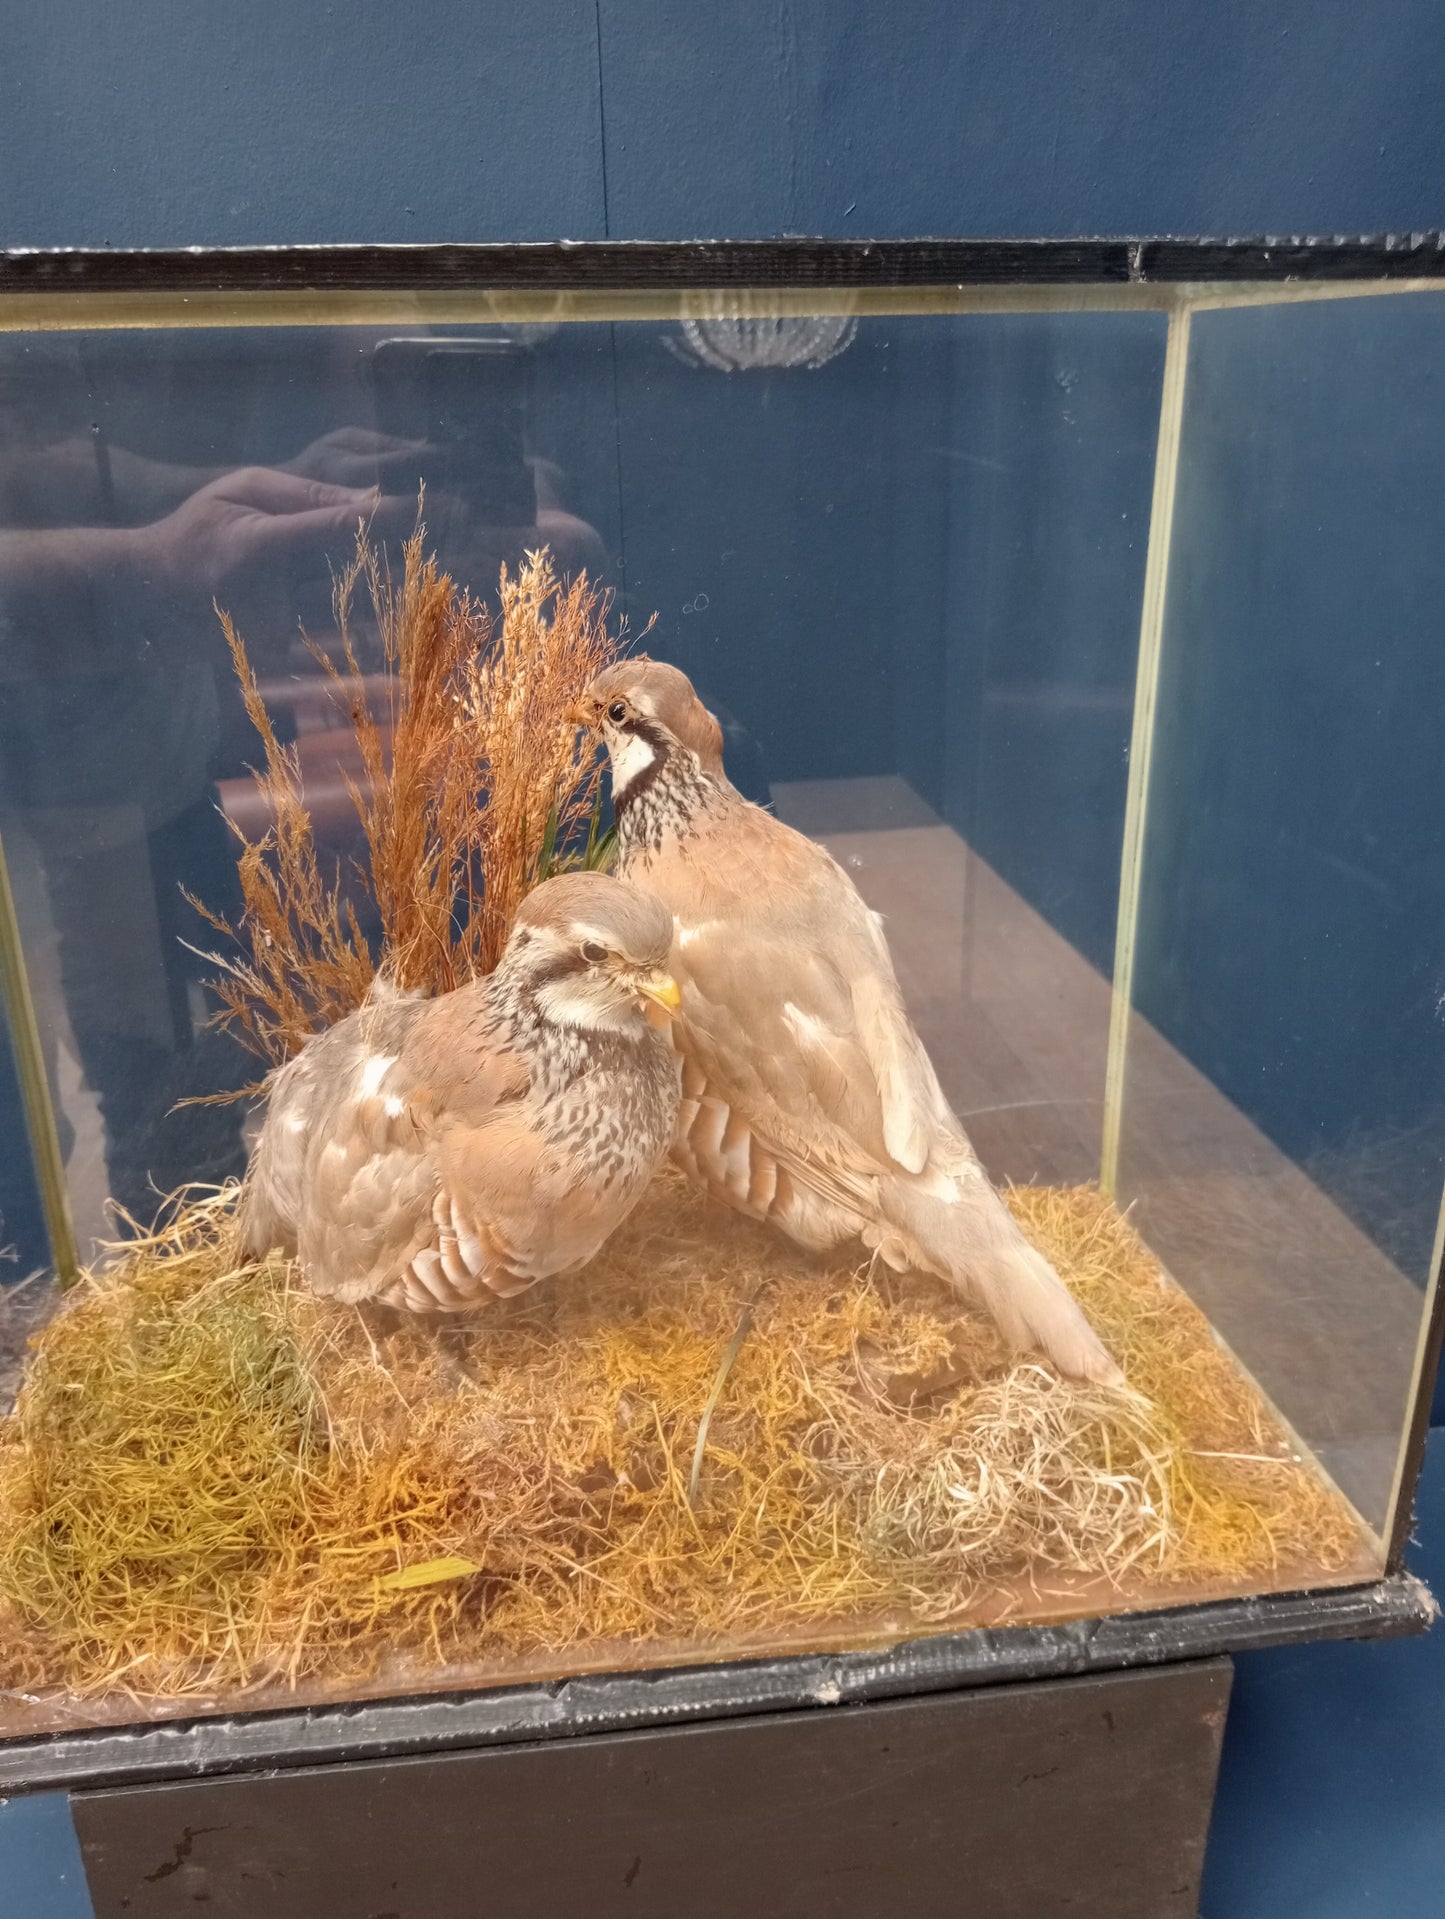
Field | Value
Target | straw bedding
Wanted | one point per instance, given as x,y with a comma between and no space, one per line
214,1480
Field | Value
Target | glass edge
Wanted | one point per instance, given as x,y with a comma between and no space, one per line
1141,739
1416,1423
42,1135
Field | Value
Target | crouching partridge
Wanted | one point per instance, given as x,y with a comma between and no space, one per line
807,1097
432,1153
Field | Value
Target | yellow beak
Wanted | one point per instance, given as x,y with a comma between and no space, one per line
578,715
662,989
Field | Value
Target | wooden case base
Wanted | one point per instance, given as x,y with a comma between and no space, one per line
1069,1797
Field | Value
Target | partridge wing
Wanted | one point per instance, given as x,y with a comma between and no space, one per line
304,1099
919,1126
774,1024
389,1210
794,991
271,1201
811,942
777,1115
511,1209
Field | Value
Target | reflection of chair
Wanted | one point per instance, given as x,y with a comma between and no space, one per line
308,709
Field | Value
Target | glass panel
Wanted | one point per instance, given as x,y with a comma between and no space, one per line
905,546
1284,1137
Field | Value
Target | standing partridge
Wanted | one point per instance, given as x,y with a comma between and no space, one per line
429,1153
807,1097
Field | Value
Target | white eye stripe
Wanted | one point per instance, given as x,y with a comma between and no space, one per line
588,1004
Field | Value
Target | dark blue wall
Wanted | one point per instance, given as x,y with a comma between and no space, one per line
165,123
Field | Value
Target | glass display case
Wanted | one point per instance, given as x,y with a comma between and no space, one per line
1081,600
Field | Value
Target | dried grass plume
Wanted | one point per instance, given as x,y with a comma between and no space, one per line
472,783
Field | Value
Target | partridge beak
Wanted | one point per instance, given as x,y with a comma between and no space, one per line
662,989
579,716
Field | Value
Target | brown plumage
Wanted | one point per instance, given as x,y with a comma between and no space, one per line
808,1099
431,1153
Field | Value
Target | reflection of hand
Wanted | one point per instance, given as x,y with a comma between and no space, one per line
253,516
357,456
473,552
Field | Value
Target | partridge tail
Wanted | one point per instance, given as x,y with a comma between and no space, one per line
970,1239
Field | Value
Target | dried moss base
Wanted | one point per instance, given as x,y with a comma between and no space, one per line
216,1485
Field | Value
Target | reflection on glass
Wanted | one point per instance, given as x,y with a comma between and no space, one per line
137,491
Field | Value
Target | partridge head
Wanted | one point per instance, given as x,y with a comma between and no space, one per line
434,1153
808,1099
652,722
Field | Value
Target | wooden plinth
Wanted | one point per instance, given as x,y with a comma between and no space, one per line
1075,1797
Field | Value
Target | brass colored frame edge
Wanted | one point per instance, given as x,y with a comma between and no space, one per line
39,1109
60,310
1401,1512
1141,739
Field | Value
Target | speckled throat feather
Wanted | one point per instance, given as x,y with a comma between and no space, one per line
662,799
560,1053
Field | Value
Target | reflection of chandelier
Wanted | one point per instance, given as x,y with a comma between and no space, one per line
770,340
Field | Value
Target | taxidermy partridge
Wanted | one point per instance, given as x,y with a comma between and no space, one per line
808,1100
430,1153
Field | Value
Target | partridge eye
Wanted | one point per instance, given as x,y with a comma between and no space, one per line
617,712
593,951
